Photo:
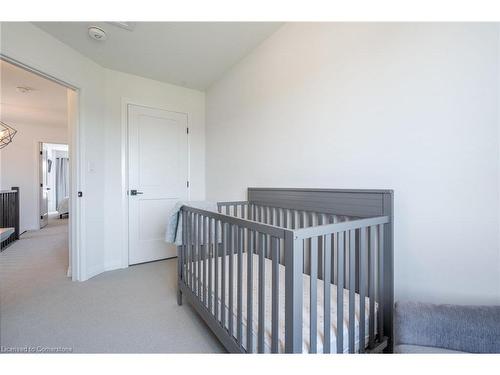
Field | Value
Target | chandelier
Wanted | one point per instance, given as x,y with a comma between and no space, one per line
6,134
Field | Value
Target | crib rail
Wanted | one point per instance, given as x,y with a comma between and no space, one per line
211,259
350,256
336,251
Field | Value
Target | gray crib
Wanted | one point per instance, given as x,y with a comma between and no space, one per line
293,270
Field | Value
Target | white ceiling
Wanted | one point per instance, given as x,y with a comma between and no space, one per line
190,54
45,105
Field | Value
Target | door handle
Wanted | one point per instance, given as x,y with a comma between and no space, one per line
135,192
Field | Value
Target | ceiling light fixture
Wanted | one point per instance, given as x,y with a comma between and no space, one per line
7,133
97,33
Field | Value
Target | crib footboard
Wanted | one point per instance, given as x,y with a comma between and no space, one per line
351,256
211,275
277,279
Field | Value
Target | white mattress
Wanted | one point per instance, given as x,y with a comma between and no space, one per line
306,308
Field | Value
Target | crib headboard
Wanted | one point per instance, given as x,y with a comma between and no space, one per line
359,203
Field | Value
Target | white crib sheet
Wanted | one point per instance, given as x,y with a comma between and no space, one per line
306,308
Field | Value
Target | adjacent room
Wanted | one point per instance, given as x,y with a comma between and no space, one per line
250,187
35,173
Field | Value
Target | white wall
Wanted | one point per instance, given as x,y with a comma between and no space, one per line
122,88
411,107
30,45
101,93
20,167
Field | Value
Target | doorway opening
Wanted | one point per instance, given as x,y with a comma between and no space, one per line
41,159
53,182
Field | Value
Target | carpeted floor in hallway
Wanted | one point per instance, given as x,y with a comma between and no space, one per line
123,311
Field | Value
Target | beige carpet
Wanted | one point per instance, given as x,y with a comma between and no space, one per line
130,310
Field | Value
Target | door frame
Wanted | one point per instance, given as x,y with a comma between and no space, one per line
38,164
76,227
125,103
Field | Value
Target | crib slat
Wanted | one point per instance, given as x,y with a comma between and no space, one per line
198,256
216,265
190,241
362,288
380,316
340,293
188,249
195,253
231,278
181,250
193,248
198,251
223,275
334,244
262,275
210,263
275,293
239,297
184,246
250,291
313,331
352,288
326,295
194,234
371,288
205,259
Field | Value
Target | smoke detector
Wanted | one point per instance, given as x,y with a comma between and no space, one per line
97,33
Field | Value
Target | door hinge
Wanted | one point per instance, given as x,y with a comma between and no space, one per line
41,217
80,194
187,183
187,130
41,185
41,152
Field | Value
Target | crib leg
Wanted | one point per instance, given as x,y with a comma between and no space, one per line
179,297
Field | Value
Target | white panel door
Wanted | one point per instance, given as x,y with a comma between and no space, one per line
158,173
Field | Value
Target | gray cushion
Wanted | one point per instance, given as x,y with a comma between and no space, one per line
416,349
474,329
